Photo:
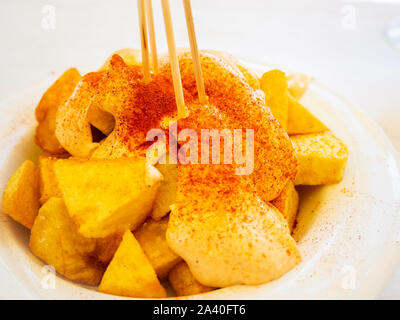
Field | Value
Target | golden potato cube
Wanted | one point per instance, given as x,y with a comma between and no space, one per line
219,239
152,239
322,158
183,281
250,76
166,194
106,247
21,194
100,119
130,273
298,84
107,196
132,57
288,203
55,240
302,121
274,85
72,127
47,179
47,108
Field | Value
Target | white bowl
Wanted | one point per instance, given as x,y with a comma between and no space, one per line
348,233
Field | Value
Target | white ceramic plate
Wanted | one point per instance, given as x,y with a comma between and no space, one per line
348,233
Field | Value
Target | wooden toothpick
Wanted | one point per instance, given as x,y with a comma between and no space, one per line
173,58
195,52
152,35
144,42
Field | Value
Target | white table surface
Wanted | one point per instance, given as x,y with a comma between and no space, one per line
346,52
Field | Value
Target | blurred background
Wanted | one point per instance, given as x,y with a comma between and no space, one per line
352,47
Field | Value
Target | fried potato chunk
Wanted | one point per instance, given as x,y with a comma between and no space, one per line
288,203
166,194
132,57
275,87
113,95
106,247
107,196
228,91
183,281
225,232
151,237
302,121
73,129
322,158
55,240
137,108
130,273
298,84
47,179
250,76
282,100
47,108
21,194
100,119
